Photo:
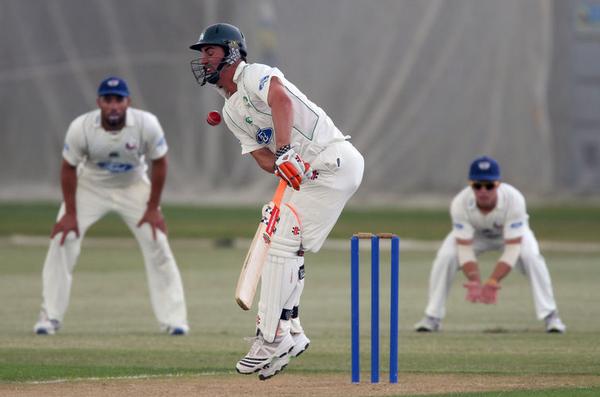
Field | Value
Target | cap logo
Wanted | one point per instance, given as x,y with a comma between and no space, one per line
484,165
112,83
201,36
233,44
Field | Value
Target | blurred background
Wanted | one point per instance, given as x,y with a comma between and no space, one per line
423,87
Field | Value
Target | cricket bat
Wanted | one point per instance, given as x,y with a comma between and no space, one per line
257,254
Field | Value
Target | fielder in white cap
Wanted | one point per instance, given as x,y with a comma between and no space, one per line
489,215
104,170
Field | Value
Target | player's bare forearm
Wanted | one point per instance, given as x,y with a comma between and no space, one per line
500,271
282,112
68,183
471,271
265,159
158,178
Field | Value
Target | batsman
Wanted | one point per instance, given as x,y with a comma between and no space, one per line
290,137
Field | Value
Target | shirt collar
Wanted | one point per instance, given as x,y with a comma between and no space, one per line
238,71
236,77
501,199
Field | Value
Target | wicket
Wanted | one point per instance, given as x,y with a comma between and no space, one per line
355,323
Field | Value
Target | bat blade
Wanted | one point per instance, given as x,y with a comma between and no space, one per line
257,253
252,268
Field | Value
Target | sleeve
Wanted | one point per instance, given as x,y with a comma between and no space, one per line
154,136
258,80
516,217
75,148
461,227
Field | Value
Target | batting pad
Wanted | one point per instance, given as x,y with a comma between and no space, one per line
287,239
279,280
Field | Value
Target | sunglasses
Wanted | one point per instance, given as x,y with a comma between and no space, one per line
487,185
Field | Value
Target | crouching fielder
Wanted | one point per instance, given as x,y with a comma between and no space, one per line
489,216
292,137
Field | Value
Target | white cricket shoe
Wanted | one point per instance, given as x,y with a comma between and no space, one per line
428,324
301,343
274,367
263,353
554,325
46,326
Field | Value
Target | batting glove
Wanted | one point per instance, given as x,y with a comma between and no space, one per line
473,291
489,291
290,167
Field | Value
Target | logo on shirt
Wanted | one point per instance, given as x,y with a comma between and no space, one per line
66,147
161,142
491,233
264,136
115,168
458,226
516,225
262,82
131,145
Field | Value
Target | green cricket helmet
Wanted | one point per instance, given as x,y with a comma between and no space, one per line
226,36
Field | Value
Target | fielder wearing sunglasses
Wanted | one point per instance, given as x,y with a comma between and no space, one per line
489,215
488,185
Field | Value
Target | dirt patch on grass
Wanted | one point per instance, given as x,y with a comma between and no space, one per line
294,385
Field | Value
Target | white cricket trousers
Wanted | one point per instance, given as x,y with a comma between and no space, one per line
318,205
531,263
93,202
320,202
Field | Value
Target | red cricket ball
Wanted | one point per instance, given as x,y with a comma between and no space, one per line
213,118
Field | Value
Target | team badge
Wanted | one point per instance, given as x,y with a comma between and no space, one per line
233,44
131,144
484,165
295,230
264,136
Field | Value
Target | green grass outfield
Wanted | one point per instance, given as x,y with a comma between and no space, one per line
568,223
110,330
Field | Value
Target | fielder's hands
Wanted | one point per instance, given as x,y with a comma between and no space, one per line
489,291
290,167
154,218
66,224
473,291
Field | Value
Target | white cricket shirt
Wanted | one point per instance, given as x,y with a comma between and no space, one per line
114,158
508,220
248,115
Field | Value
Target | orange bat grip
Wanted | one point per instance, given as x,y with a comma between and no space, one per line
279,192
